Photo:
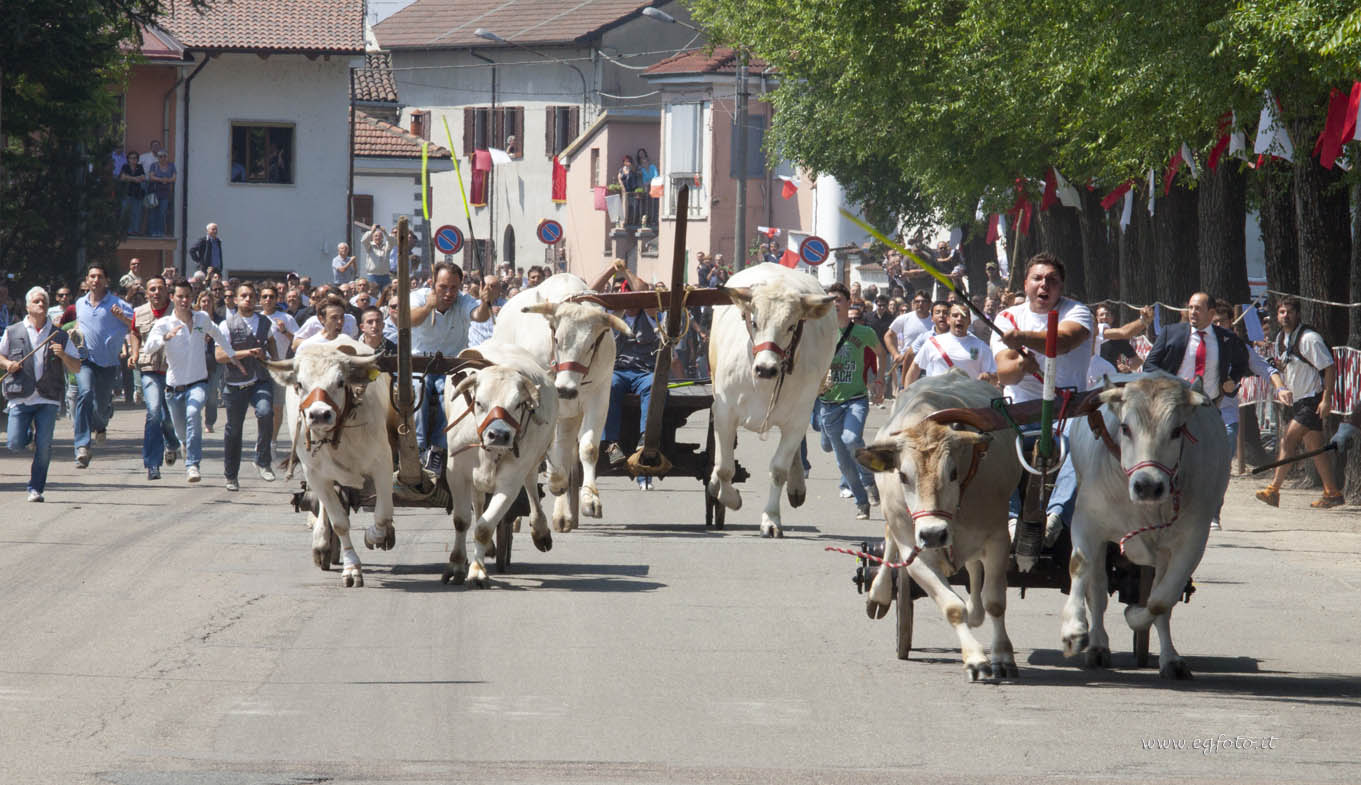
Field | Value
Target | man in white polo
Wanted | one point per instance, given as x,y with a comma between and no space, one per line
440,317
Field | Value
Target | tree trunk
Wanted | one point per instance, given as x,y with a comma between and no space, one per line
1354,334
1136,251
1222,213
1324,236
1278,229
977,254
1098,270
1061,234
1176,266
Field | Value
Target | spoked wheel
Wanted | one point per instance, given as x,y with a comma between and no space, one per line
904,602
504,534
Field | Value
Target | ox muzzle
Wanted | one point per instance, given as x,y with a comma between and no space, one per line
498,430
319,411
932,528
1150,482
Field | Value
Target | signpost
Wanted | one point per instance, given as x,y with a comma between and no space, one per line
814,250
448,239
549,231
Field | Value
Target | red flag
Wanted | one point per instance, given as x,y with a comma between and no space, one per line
1173,165
559,182
992,230
1023,223
1051,190
1114,196
477,192
789,187
1340,126
1225,121
790,257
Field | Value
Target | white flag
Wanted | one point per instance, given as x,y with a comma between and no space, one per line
1190,160
613,203
1067,194
1271,136
498,157
1127,211
1152,190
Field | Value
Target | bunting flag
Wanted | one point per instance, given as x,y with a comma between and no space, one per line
1068,196
789,187
770,232
1152,189
991,239
656,187
481,169
1225,133
559,195
1173,164
1190,160
1051,190
790,257
498,157
1023,219
1272,139
1341,124
1114,196
614,207
1127,212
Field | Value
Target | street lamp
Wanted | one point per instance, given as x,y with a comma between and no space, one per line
488,35
662,16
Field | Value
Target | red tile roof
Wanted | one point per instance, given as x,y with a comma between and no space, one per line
323,26
722,60
450,24
376,83
374,138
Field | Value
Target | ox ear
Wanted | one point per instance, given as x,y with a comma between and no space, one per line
530,391
740,295
1110,393
282,371
816,306
618,324
1197,396
345,348
878,457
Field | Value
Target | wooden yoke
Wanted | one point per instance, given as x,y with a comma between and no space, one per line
649,459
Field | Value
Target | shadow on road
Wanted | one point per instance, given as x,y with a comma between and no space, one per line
529,576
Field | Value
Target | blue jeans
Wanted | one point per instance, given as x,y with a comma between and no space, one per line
159,433
381,281
1064,495
186,410
258,396
42,417
130,216
94,400
1232,428
624,382
844,425
155,222
430,414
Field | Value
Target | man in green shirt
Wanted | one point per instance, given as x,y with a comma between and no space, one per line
852,383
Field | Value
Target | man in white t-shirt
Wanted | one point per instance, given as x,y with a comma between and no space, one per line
903,330
940,325
1310,375
957,348
1017,351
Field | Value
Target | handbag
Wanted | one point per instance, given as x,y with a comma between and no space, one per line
150,200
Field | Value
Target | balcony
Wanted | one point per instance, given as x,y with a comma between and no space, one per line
638,219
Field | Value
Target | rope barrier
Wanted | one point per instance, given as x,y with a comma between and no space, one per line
1141,307
1313,299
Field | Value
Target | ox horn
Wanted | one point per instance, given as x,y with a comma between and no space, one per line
468,381
815,306
740,295
543,309
279,365
618,324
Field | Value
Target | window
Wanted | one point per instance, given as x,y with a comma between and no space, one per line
595,167
362,209
262,153
684,157
484,128
561,126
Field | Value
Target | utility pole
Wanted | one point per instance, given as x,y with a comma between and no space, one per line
740,122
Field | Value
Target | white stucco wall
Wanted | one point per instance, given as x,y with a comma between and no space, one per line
267,226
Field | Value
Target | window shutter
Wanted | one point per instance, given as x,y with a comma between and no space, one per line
469,128
550,129
363,209
518,116
573,125
498,129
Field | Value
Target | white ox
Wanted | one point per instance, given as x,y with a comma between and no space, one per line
1156,480
575,342
502,419
768,357
923,470
341,417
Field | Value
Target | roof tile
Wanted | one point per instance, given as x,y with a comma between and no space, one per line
376,83
451,23
720,60
374,138
270,25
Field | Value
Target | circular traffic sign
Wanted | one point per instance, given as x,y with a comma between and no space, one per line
448,239
814,250
549,231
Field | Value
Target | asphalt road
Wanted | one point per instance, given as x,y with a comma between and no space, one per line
169,634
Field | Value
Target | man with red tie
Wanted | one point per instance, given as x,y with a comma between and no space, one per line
1196,348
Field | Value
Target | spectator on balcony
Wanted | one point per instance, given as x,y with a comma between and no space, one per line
149,157
132,179
628,180
161,182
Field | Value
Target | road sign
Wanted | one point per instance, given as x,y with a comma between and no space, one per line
448,239
814,250
549,231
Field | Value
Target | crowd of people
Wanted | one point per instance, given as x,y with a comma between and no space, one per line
186,347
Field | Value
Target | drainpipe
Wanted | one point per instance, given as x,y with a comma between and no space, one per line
349,191
184,179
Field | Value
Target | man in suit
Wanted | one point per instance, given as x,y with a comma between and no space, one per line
1198,348
207,252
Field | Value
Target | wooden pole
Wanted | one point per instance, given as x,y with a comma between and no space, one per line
652,435
408,456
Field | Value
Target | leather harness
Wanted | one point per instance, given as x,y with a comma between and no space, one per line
786,355
572,365
352,400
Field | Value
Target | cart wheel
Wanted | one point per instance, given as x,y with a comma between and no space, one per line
904,603
503,540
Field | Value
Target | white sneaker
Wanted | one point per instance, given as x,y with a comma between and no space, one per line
846,493
1011,529
192,474
266,473
1214,524
233,485
35,496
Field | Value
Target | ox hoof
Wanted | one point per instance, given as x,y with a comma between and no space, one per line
477,576
455,573
797,498
544,543
1075,643
590,505
726,495
771,527
1176,670
1098,657
515,526
977,671
876,610
352,579
322,558
381,538
1005,669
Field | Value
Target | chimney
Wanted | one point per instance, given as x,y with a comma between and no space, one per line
420,124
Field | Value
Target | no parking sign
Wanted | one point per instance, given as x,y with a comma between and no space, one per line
814,250
549,231
448,239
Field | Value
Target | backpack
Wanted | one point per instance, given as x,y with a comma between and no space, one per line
1294,349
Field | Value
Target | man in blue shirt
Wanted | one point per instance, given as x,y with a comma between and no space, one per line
103,319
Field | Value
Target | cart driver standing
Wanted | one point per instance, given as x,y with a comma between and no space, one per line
1024,327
